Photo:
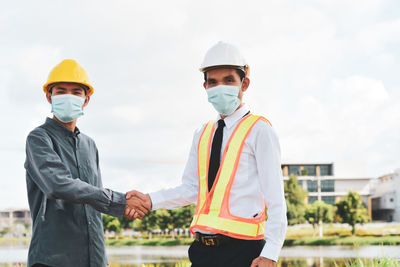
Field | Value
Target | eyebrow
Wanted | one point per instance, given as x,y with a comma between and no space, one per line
229,77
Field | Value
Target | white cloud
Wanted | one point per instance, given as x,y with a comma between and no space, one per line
324,72
349,122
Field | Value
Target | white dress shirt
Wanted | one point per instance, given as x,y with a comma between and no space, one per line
258,182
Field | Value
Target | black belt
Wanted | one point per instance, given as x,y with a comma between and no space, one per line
213,240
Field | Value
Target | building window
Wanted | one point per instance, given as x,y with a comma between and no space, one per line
310,170
18,214
294,169
328,199
312,199
325,170
327,186
312,186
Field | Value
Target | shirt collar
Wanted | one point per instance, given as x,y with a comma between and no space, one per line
61,128
235,116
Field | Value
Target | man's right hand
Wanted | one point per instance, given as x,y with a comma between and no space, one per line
137,204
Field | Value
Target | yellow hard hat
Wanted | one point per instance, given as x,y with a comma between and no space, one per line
69,71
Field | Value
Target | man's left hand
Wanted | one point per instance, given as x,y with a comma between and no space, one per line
263,262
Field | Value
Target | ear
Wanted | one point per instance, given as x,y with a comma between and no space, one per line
205,85
48,96
86,102
245,84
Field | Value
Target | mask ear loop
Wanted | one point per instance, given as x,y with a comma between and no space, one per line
241,85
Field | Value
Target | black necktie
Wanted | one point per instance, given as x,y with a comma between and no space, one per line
215,157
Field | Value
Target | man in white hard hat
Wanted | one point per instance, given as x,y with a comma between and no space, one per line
233,173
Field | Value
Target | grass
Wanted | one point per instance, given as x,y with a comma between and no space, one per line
343,230
334,235
14,241
149,242
381,262
341,236
343,241
392,240
184,263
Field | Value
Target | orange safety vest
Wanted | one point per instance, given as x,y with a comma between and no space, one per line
212,212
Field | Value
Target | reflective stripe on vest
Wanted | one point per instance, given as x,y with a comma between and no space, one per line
212,212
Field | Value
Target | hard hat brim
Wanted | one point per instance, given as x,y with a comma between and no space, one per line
89,91
205,69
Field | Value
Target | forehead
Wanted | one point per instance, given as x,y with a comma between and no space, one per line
68,86
221,73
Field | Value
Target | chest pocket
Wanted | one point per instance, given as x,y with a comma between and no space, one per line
89,171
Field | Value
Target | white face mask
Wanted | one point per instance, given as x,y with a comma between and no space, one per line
224,98
67,107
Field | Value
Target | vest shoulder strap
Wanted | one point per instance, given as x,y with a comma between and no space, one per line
265,120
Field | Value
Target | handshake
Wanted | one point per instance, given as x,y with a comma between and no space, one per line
137,204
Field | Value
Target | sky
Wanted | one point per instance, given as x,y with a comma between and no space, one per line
324,72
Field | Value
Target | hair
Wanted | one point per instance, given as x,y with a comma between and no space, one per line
238,71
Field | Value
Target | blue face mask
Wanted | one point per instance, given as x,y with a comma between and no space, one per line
224,98
67,107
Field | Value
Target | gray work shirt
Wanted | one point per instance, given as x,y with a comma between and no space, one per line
66,197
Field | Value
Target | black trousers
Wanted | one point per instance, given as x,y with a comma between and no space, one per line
238,253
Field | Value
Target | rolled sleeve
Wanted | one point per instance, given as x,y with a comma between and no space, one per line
117,205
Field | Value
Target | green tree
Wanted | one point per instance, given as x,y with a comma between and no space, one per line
295,196
126,223
114,226
182,217
5,230
106,219
149,223
111,224
352,211
164,219
317,213
137,225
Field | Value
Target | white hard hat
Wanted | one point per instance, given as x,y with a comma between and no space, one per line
223,54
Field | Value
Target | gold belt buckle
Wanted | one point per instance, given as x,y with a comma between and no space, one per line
209,242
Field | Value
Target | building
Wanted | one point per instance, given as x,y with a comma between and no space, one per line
319,180
386,197
9,218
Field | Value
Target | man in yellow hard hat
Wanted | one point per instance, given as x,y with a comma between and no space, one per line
63,179
233,174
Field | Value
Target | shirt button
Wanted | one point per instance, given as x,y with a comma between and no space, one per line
90,222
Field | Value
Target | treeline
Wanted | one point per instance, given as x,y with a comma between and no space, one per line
164,220
349,209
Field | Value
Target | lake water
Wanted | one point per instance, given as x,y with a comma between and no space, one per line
168,256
